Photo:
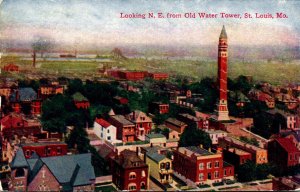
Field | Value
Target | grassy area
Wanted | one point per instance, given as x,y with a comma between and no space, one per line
273,72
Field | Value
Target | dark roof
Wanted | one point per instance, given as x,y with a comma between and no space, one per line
199,150
121,119
19,160
129,159
25,94
223,34
156,157
295,133
225,164
79,97
69,170
175,122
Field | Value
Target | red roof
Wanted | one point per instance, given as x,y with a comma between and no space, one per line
287,144
103,123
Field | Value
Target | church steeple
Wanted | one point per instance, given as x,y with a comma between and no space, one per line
223,34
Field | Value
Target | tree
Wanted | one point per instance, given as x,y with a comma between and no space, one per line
166,132
75,85
192,136
247,171
262,171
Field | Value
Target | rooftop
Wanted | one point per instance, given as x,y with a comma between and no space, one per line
287,144
121,119
102,122
175,122
155,135
156,157
194,150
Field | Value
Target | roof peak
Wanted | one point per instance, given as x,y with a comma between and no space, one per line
223,34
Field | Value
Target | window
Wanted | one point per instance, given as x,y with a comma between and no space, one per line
101,135
132,186
132,175
168,166
101,128
143,173
162,166
48,151
27,153
225,172
201,166
143,185
201,176
108,138
209,165
107,130
58,150
217,165
216,174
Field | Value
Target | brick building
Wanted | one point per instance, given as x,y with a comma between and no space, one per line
80,101
129,172
159,107
11,68
45,149
283,152
60,173
201,166
175,125
259,155
190,119
158,76
236,156
142,122
125,128
46,91
132,75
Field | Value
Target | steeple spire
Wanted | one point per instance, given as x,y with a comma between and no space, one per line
223,34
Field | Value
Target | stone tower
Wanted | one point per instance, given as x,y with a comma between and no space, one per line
222,76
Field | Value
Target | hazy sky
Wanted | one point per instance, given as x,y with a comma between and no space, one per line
98,22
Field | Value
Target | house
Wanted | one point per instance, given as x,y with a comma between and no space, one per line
259,155
132,75
283,152
121,100
291,120
159,107
129,172
80,101
262,97
201,166
142,122
105,130
46,91
59,173
235,156
175,125
45,149
156,138
190,119
125,128
25,100
294,135
11,68
173,135
215,135
161,167
17,124
286,183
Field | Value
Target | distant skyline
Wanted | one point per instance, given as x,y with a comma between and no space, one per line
97,22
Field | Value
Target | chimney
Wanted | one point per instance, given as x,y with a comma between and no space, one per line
137,151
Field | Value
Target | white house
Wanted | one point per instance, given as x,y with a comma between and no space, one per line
215,135
104,130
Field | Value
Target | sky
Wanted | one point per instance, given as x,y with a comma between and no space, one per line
98,22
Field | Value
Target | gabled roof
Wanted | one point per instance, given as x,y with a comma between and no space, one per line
138,116
102,122
25,94
287,144
19,160
129,159
79,97
111,112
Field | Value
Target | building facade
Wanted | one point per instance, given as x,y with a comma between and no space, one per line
105,130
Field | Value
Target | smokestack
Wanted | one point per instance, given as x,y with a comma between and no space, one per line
33,61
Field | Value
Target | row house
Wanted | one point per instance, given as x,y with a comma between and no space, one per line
292,121
132,75
17,124
59,173
161,167
288,100
294,135
259,155
283,152
175,125
25,100
129,172
190,119
262,97
105,130
215,135
46,91
159,107
201,166
142,122
235,156
80,101
45,149
125,128
158,76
